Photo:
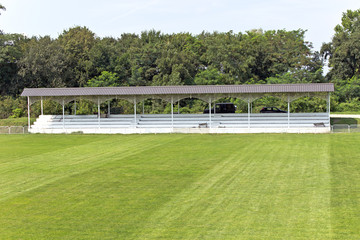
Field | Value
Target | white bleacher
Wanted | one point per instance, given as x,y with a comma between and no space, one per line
159,123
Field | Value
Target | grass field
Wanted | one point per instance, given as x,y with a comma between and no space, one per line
23,121
260,186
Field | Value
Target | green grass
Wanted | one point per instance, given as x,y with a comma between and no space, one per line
347,121
260,186
23,121
351,113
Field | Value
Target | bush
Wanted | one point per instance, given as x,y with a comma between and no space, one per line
352,105
185,110
85,107
17,113
9,104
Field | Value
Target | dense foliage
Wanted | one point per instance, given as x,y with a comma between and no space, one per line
78,58
343,54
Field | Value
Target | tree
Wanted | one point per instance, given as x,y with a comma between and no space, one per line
11,52
106,79
44,64
256,55
77,43
209,76
2,8
343,52
179,60
103,55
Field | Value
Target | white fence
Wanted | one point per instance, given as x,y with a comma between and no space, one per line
13,130
336,128
345,128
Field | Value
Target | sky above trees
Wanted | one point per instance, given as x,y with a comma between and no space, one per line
114,17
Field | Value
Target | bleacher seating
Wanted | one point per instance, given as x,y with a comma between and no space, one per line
257,120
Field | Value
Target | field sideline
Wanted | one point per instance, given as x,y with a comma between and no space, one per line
178,186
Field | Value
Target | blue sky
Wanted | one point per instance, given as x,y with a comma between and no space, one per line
114,17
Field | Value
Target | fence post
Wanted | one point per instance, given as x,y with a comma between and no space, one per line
9,130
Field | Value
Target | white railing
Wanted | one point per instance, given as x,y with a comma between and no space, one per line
335,128
13,129
345,128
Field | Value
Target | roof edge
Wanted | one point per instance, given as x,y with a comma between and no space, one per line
180,89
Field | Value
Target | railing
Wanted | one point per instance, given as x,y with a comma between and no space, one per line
345,128
13,129
336,128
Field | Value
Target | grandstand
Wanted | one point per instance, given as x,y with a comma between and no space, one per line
182,123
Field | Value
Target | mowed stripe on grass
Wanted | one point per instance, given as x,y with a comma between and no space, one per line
259,192
264,186
38,169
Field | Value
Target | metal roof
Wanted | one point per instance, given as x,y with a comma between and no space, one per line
173,90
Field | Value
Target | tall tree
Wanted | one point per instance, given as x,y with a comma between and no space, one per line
77,43
44,64
256,55
343,52
11,51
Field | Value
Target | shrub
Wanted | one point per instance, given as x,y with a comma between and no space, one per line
17,113
352,105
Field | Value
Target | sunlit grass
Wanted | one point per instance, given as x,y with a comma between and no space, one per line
23,121
261,186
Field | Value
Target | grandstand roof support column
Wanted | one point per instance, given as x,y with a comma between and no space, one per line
42,106
288,111
135,112
179,107
143,110
172,112
109,107
328,104
210,112
63,110
98,112
249,113
28,98
214,109
75,107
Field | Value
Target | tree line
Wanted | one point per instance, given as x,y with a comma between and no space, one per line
78,58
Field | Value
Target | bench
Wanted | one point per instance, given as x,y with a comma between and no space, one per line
321,124
201,125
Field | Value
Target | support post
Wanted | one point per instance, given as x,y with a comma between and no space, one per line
109,107
214,109
143,109
42,106
75,107
135,112
99,112
28,112
63,112
328,105
288,112
172,112
179,107
210,112
248,113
